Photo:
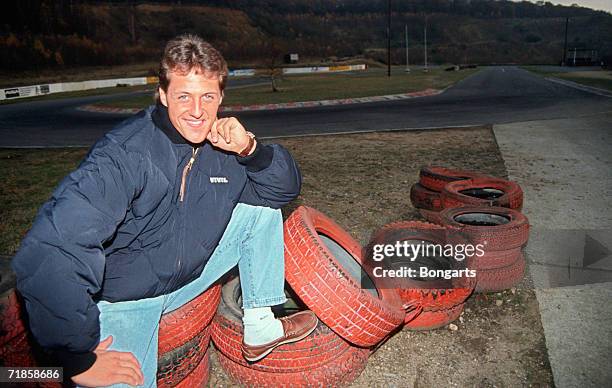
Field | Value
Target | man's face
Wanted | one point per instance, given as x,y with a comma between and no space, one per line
193,101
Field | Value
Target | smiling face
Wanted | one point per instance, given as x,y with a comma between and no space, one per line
192,100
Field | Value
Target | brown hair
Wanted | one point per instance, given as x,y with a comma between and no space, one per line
187,52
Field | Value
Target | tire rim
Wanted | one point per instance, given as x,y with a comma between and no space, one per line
482,219
434,262
291,306
487,193
348,262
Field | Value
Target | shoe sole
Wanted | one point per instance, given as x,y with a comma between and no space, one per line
282,343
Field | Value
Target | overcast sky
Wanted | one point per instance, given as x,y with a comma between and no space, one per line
605,5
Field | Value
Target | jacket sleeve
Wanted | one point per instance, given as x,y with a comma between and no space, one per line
60,264
273,177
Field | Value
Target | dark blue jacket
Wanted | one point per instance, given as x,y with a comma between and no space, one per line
115,228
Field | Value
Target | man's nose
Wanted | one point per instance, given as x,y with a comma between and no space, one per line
196,108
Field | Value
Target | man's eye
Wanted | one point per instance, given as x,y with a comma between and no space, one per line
183,97
209,97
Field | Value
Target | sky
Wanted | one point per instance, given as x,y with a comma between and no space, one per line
605,5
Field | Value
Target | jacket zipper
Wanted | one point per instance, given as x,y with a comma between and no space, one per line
186,170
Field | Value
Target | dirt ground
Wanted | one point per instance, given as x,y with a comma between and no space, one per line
363,181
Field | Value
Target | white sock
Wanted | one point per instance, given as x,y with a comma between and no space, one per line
260,326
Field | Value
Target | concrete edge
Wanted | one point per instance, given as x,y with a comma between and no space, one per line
584,88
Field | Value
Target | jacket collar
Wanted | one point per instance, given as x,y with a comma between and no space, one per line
161,119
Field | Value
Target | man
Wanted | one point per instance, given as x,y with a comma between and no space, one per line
161,208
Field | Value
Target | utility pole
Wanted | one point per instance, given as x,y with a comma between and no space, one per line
132,21
565,44
407,61
425,34
389,38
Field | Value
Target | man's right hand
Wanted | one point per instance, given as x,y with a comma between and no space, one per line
111,367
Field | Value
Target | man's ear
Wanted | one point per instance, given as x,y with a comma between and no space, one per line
163,97
221,98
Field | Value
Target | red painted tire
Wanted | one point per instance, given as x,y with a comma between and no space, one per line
17,347
423,198
12,323
429,299
362,317
482,192
432,216
319,348
183,324
436,300
435,178
500,278
174,366
17,352
429,320
496,228
495,259
341,371
199,376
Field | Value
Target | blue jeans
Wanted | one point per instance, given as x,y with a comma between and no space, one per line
253,240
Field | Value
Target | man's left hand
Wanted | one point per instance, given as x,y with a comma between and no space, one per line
229,135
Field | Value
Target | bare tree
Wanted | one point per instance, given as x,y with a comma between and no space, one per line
274,49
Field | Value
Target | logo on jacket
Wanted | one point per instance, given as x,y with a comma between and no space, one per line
218,179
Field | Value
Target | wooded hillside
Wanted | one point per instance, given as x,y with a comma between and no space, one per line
42,34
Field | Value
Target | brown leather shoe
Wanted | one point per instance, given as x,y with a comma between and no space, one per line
296,327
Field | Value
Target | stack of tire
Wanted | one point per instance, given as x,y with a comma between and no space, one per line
440,188
486,210
427,306
184,336
324,273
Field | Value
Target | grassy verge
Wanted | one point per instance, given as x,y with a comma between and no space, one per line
598,78
29,178
327,86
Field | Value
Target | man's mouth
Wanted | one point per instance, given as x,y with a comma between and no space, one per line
194,123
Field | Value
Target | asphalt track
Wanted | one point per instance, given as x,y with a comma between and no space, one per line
494,95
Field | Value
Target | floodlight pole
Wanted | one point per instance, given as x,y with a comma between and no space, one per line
425,35
388,38
407,61
565,44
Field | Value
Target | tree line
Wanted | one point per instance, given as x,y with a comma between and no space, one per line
39,34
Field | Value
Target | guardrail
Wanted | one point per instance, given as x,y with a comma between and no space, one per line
44,89
323,69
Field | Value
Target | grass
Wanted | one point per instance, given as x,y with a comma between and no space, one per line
29,177
597,78
327,86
